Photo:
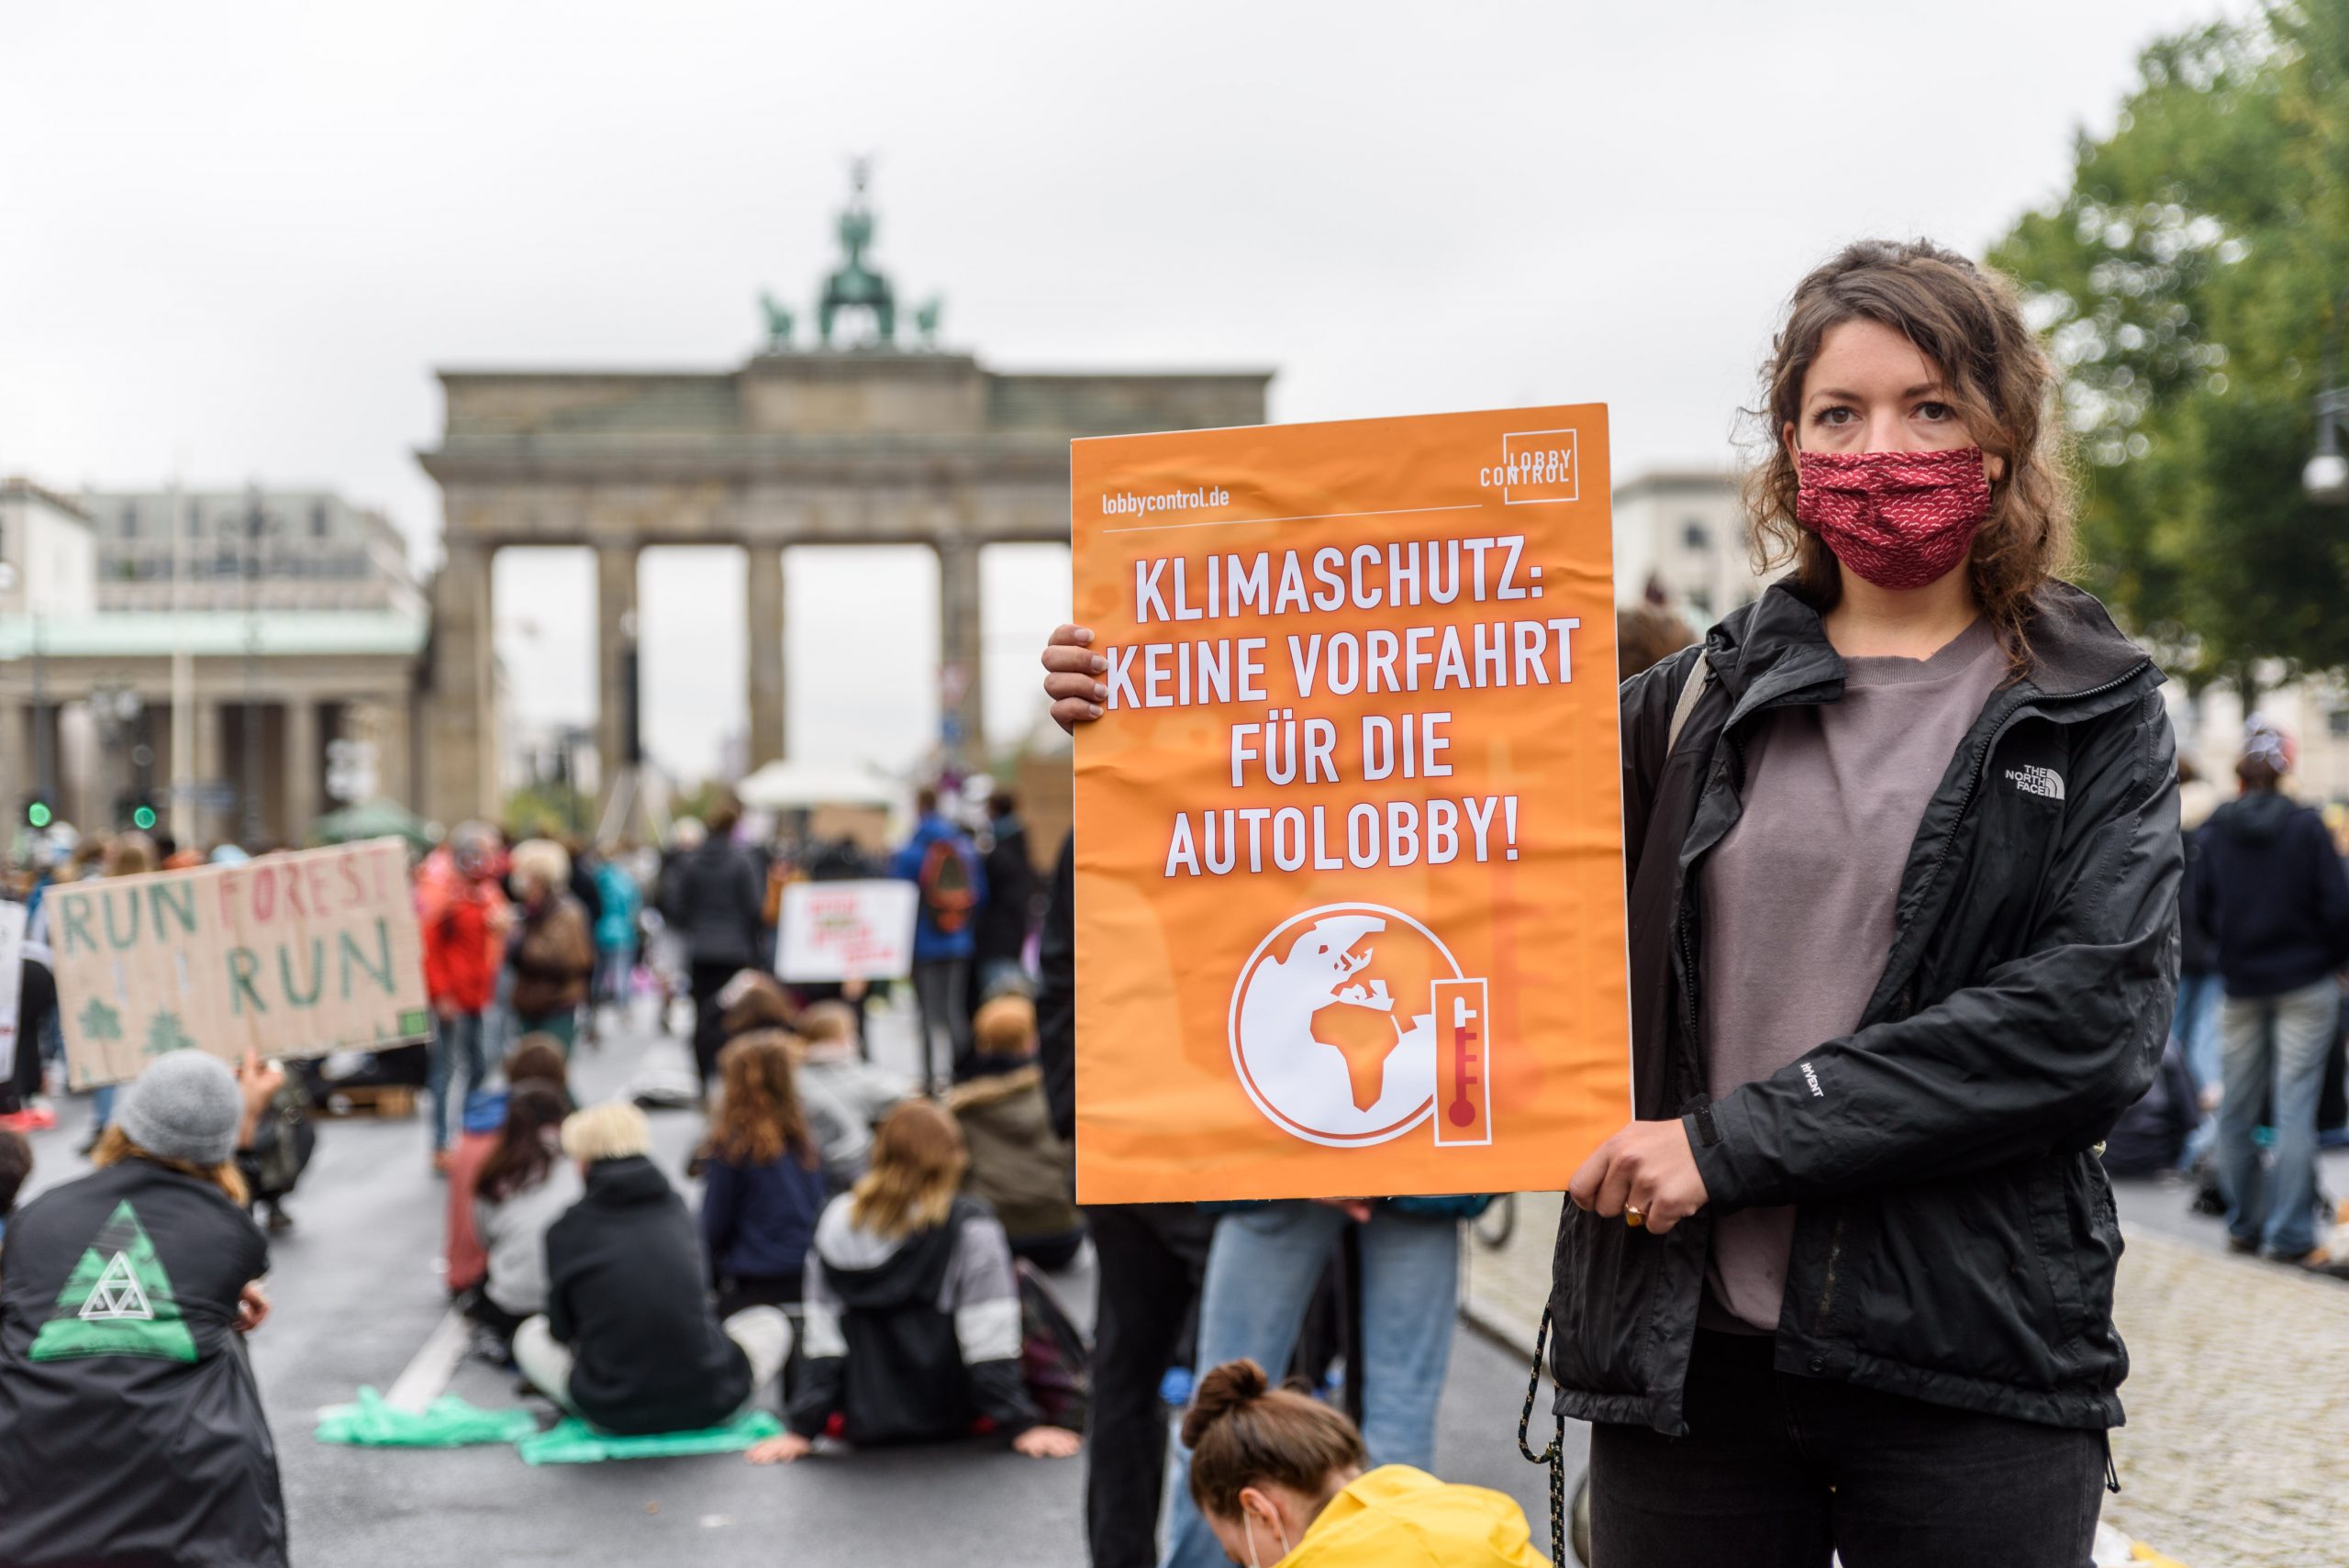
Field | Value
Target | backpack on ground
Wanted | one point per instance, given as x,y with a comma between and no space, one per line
947,895
1055,1362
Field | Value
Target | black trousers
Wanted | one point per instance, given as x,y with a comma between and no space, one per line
1151,1259
1779,1472
709,1033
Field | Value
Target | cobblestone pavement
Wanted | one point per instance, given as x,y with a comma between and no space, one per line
2238,1393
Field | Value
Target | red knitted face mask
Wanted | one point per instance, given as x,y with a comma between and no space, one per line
1899,520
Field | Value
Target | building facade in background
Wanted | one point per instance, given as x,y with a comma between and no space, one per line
48,553
1680,540
273,549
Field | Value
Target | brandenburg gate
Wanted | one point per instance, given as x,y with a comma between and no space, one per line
859,444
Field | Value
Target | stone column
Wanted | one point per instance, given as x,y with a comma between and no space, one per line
395,778
959,642
614,630
203,719
15,767
303,765
762,620
459,739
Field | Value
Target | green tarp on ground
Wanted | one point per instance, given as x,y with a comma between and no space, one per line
448,1422
573,1441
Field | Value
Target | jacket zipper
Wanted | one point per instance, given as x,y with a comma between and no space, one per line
1973,781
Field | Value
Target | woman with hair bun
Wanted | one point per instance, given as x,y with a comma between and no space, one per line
1281,1477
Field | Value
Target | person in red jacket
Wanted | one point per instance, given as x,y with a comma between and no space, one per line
465,916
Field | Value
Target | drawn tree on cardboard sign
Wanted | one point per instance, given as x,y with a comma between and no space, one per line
100,1022
166,1034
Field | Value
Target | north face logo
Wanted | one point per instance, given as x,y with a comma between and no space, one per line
2044,782
118,1301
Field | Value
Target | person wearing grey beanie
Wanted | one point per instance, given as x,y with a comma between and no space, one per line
186,1105
124,1305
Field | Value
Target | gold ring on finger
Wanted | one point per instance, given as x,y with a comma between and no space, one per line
1635,1217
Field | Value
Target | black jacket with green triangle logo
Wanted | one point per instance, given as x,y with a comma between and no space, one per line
130,1427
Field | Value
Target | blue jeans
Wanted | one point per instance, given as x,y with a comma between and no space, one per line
456,1043
2195,1026
1260,1272
613,967
2274,1044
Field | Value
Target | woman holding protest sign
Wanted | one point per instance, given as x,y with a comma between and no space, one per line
1846,1284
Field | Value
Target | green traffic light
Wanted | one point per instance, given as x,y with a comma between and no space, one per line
143,818
37,813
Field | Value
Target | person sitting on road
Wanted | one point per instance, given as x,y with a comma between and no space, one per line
911,1309
1018,1164
1281,1477
762,1182
754,1001
131,1430
464,1259
553,954
627,1342
833,1062
525,1187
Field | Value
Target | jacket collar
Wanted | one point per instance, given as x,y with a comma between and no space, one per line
1776,648
620,1183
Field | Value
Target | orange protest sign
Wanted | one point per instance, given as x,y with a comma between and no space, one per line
1349,843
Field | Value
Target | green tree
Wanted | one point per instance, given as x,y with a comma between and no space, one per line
2193,282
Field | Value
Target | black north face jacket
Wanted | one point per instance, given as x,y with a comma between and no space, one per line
131,1431
1955,1239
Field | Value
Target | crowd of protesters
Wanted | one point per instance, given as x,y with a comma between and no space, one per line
880,1250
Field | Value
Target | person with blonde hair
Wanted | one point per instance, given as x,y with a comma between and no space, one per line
123,1299
553,954
627,1342
1281,1477
912,1310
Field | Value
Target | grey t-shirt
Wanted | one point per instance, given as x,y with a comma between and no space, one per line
1797,899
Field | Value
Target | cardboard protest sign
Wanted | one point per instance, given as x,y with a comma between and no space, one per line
12,974
844,930
289,955
1348,844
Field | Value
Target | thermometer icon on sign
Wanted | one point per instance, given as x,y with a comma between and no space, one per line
1463,1057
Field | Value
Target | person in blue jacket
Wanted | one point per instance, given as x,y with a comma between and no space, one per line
944,867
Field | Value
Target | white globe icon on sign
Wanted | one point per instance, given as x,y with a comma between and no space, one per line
1332,1031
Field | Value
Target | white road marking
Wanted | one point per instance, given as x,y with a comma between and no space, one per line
428,1371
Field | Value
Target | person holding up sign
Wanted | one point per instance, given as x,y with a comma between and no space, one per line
1901,838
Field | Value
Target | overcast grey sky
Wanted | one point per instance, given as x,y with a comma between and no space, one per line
239,238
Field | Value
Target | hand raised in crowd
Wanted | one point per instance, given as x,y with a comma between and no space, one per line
257,1081
780,1450
252,1306
1045,1442
1072,667
1647,1169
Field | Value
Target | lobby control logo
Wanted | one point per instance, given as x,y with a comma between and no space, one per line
1538,468
1333,1045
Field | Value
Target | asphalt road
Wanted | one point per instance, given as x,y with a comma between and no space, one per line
357,1292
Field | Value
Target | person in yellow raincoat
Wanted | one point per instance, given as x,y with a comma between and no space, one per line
1280,1479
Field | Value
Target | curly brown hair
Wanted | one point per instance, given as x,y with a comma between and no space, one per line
760,1119
1967,321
